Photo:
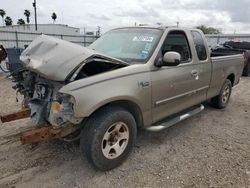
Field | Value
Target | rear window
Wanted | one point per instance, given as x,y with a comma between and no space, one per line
199,45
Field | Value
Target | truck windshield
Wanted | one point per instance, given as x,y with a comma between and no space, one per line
131,44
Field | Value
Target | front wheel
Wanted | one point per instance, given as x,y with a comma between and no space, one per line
220,101
107,137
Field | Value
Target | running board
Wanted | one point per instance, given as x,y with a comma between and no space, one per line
176,119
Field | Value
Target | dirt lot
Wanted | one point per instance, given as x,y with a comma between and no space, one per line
211,149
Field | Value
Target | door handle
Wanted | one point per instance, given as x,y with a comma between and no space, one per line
195,74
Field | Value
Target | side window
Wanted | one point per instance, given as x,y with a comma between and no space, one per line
177,41
199,45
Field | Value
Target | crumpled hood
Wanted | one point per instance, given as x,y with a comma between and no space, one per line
55,59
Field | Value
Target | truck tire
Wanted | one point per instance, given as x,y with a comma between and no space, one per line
220,101
108,137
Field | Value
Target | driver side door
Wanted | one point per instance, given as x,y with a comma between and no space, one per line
173,87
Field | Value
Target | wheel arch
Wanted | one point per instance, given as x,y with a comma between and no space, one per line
231,77
128,105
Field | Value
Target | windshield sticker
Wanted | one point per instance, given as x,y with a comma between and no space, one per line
147,46
144,54
143,39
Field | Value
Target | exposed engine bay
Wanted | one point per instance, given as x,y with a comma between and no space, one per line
96,66
48,106
39,95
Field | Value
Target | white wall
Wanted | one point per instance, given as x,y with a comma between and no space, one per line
213,40
44,28
11,39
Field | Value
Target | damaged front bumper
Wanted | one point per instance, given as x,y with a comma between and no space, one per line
43,133
51,112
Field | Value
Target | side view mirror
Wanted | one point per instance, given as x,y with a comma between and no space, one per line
169,59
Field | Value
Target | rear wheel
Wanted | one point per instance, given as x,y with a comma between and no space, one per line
108,137
221,100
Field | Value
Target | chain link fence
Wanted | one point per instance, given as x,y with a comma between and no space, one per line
214,39
17,39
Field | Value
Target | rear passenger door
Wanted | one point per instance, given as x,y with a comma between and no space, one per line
204,67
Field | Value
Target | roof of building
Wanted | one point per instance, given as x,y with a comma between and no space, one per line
62,25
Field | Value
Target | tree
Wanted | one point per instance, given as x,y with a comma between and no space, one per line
21,22
8,20
54,16
2,14
27,14
208,30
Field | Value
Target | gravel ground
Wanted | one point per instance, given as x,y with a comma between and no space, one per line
211,149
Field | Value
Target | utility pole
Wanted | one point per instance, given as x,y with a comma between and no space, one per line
177,23
84,30
34,5
98,32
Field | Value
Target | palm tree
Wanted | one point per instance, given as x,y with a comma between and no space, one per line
27,14
2,14
21,22
8,20
54,16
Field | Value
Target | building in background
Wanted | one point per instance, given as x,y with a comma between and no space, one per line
19,36
44,28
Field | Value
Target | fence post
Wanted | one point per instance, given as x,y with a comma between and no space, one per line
16,39
84,40
62,37
218,38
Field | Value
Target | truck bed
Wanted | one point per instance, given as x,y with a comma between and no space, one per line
227,51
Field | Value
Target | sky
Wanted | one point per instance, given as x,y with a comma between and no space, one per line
227,16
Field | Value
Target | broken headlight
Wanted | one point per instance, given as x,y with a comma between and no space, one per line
61,109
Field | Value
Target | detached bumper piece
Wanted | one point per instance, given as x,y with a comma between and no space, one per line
46,133
38,134
24,113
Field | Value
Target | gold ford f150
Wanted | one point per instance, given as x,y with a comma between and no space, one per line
130,78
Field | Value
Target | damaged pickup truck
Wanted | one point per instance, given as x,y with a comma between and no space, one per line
130,78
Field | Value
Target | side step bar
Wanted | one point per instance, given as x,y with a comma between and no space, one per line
176,119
